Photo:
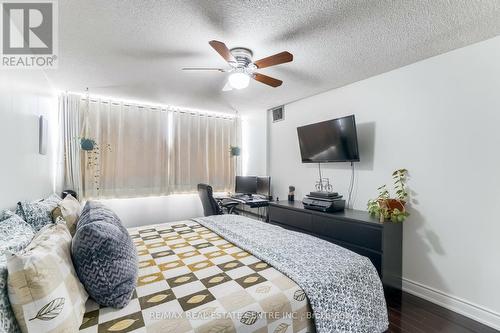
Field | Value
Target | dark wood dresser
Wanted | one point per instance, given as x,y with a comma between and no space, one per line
355,230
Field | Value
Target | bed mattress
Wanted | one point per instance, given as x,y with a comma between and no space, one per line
192,280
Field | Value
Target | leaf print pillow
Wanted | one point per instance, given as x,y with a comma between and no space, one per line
46,297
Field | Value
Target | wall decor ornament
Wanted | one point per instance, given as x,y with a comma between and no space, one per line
42,135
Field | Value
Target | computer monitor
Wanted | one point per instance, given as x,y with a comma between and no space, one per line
246,185
264,186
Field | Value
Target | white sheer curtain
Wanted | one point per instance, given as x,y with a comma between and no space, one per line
133,150
200,151
69,167
147,150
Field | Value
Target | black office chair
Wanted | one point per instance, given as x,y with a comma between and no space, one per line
212,206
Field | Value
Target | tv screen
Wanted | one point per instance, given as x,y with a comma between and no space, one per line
329,141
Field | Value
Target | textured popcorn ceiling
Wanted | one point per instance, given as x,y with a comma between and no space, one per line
135,49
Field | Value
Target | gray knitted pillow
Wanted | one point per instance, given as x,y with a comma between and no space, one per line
104,256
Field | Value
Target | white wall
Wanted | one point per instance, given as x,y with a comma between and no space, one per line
24,174
254,143
439,118
152,210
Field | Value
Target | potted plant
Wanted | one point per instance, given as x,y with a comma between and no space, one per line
384,207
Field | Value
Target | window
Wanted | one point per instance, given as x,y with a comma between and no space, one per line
144,151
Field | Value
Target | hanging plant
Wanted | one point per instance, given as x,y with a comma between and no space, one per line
90,147
234,151
384,207
92,152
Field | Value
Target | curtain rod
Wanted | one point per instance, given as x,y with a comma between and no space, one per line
165,108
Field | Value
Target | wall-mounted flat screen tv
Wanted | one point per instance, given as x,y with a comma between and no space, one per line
329,141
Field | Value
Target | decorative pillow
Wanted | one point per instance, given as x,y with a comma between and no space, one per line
15,234
38,213
105,257
69,209
44,290
8,322
5,214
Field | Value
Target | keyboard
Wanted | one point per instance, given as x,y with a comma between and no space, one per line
246,197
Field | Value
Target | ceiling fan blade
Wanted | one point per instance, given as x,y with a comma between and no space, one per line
279,58
203,69
267,80
222,49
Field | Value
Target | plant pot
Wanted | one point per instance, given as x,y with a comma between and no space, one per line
235,151
393,204
87,144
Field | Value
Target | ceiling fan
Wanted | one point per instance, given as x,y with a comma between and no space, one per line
243,67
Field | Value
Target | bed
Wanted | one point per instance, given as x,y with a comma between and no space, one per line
217,274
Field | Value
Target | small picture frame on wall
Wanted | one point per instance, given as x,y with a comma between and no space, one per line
42,135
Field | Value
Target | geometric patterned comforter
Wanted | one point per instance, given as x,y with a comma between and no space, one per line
192,280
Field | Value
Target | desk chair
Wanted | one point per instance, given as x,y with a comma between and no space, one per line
212,206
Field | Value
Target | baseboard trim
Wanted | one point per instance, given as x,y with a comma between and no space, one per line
456,304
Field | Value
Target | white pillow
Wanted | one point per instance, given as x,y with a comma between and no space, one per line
70,210
44,290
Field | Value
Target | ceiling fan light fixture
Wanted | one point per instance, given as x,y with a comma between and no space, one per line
239,80
243,67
